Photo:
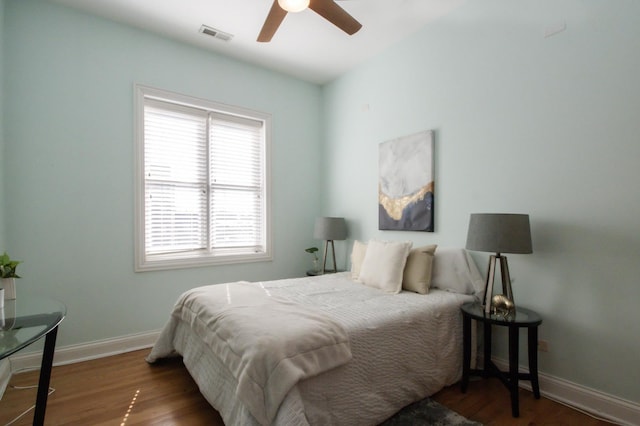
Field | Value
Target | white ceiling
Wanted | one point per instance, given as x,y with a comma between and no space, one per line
305,46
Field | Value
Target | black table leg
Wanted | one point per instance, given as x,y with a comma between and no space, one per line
513,370
45,377
486,343
466,352
533,361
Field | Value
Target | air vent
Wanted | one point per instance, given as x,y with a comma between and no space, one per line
220,35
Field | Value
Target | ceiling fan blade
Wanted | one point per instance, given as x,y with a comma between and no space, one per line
333,13
273,21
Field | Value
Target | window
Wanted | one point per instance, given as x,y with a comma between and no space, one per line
202,189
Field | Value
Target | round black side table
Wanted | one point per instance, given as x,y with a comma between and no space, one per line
523,318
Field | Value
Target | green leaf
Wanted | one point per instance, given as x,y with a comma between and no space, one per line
8,266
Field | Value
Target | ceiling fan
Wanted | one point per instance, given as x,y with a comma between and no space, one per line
328,9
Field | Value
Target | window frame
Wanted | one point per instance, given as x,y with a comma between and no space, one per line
189,259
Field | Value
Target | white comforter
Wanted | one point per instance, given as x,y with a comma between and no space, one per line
404,346
268,343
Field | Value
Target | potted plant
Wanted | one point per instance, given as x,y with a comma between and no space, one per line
8,275
313,250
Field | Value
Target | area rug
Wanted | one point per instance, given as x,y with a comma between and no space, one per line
427,412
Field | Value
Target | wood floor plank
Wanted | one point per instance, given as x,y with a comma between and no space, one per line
124,390
487,401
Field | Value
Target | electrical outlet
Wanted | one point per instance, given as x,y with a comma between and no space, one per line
543,346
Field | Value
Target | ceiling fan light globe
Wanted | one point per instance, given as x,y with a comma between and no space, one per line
294,5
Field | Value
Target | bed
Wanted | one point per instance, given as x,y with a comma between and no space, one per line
355,354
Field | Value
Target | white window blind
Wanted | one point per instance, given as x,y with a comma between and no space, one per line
236,177
204,185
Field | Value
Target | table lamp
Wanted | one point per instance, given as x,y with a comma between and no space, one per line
499,233
330,229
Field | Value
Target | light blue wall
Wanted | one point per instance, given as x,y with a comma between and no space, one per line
524,124
68,105
2,202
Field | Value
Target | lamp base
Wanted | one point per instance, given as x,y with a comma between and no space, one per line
506,281
324,258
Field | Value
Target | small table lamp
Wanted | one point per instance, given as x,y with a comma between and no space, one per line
330,229
499,233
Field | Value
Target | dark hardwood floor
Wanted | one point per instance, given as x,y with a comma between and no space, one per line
124,390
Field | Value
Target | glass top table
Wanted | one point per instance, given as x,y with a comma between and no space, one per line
522,316
23,322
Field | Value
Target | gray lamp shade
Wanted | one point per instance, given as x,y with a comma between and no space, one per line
330,228
499,233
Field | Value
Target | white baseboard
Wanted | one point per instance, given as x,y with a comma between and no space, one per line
596,403
87,351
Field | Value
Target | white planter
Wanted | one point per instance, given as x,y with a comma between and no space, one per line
1,307
9,286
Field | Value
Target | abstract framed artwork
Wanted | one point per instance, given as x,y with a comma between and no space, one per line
406,182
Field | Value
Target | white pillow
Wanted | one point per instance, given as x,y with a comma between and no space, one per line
417,271
454,270
357,256
383,265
